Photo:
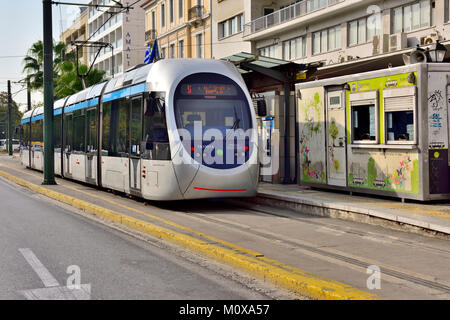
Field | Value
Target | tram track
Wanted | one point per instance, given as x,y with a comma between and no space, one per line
359,262
196,210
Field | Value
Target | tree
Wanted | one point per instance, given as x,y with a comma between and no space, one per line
16,115
68,82
34,63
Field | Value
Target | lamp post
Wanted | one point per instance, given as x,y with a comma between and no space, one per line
437,52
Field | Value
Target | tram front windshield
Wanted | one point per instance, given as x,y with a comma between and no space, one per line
212,100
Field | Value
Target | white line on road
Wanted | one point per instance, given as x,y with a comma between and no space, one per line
52,290
39,268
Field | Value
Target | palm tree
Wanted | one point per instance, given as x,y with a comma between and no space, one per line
34,63
68,82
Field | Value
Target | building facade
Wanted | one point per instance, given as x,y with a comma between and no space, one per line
77,32
182,27
124,31
228,19
345,32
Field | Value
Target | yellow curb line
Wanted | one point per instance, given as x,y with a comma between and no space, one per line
299,281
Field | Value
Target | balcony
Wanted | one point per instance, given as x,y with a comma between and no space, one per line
195,14
150,35
286,14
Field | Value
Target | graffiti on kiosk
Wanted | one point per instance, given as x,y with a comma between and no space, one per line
435,101
312,171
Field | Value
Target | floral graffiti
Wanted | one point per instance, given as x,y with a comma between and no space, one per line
399,176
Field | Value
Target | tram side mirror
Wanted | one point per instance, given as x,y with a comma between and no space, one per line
261,107
154,105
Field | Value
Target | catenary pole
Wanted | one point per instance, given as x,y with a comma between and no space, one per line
28,96
10,134
49,164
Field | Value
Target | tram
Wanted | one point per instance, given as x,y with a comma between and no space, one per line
164,131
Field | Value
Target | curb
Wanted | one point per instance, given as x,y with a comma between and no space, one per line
299,281
332,209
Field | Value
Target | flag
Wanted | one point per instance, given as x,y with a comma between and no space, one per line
154,55
147,55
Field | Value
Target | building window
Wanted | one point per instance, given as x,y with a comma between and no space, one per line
294,48
172,51
447,10
231,26
363,30
327,40
171,10
163,15
180,9
270,51
153,20
199,44
163,53
412,17
181,49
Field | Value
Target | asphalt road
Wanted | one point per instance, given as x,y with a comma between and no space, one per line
39,241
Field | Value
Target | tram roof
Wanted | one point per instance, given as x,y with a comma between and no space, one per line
135,75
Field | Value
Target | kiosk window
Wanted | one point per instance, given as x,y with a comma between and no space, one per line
364,122
399,114
400,126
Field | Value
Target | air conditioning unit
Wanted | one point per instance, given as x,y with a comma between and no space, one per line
397,42
380,44
429,39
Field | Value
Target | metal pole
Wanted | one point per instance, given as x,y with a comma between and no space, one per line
287,155
49,165
28,96
10,134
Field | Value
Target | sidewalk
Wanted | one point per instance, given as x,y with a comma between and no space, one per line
427,216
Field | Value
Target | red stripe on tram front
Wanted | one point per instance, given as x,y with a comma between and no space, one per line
223,190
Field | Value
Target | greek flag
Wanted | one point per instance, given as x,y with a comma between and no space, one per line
147,55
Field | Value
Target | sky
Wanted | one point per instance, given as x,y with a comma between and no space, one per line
20,26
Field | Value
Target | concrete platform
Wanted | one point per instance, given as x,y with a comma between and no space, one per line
427,217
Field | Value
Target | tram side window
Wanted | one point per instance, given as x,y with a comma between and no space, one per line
364,123
106,130
91,140
68,130
37,136
57,132
79,130
156,140
116,118
26,140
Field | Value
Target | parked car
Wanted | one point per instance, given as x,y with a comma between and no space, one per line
4,145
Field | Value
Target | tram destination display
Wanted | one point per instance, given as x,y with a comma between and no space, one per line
201,89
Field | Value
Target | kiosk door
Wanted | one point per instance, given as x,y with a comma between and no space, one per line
336,142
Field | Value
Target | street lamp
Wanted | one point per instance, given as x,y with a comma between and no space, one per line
437,52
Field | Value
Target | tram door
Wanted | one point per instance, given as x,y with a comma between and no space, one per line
135,141
91,143
336,144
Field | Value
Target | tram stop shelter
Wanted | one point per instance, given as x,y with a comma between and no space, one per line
264,74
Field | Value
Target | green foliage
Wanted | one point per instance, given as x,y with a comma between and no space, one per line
16,115
66,80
